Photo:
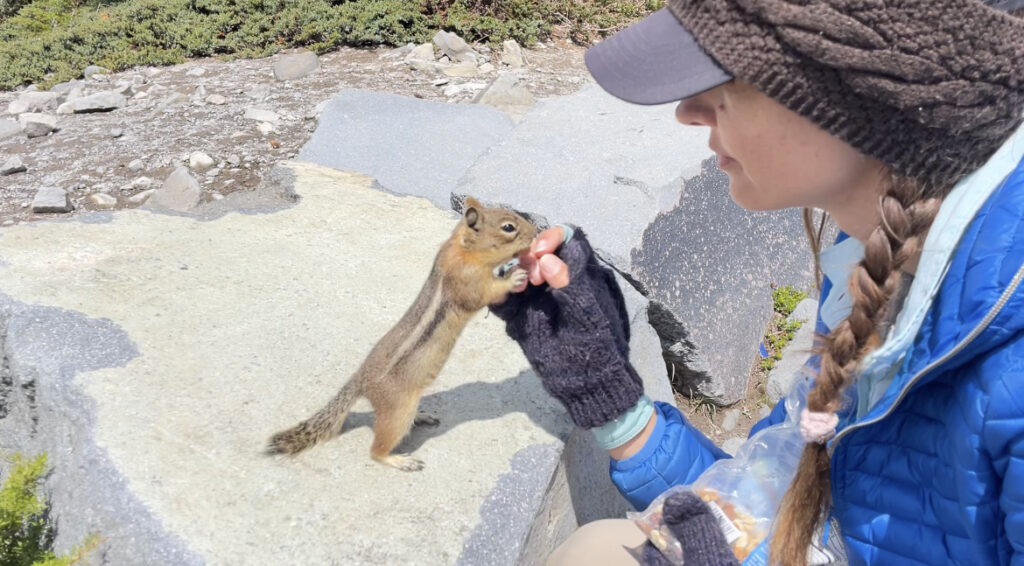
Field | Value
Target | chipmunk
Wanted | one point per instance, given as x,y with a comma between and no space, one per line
476,267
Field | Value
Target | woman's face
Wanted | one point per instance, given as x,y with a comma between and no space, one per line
776,158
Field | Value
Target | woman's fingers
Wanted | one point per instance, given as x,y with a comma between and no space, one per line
554,271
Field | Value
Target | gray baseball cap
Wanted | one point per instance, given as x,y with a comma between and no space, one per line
656,60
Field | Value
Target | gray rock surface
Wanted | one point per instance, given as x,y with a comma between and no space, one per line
180,191
422,52
730,420
51,199
104,101
711,265
786,371
216,99
68,86
296,65
36,125
409,146
157,429
9,128
12,165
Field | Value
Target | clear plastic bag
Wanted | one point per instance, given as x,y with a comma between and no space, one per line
743,492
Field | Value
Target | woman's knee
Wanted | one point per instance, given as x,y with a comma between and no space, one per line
609,542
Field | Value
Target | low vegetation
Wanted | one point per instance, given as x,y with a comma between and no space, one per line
50,41
26,537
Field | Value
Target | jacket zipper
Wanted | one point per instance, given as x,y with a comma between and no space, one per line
1014,283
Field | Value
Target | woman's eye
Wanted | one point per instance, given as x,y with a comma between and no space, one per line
508,227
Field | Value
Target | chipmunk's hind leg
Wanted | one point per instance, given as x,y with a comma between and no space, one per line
392,421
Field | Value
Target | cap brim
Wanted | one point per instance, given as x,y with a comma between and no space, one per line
653,61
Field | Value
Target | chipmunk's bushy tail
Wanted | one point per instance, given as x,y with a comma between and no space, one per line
326,423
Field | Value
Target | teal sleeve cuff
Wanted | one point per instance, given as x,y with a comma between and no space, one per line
568,232
623,429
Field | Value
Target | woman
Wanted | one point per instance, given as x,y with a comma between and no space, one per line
901,120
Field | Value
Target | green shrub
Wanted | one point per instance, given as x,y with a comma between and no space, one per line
49,41
786,298
25,535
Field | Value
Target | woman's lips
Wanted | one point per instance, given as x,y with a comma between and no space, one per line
725,161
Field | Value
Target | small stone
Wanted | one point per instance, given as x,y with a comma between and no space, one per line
453,90
234,160
442,81
296,65
180,191
464,69
216,99
200,92
92,70
507,94
98,102
101,78
730,420
139,80
116,133
12,166
265,128
136,165
6,223
175,98
9,128
67,86
733,445
37,125
216,196
196,72
212,173
262,115
398,51
317,110
126,89
102,201
454,47
141,197
35,102
66,108
486,68
199,161
422,52
258,92
51,199
432,67
512,54
141,183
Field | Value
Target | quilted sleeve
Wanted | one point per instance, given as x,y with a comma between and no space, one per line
1003,438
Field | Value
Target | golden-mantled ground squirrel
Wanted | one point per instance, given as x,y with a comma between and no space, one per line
474,268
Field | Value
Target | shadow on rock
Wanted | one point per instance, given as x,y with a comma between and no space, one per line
479,401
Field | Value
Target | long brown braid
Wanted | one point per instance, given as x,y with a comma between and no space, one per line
907,210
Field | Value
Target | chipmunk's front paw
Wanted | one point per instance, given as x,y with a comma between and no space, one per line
402,462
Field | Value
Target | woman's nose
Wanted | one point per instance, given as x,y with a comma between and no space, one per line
695,111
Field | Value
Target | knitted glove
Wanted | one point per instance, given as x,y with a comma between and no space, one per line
697,530
577,338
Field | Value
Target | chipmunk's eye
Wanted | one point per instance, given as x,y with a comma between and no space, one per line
508,227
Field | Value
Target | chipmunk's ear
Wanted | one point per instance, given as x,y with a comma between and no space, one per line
472,213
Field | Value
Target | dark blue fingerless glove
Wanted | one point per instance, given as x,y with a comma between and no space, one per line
696,528
577,338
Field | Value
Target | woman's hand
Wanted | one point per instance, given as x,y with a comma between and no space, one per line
541,262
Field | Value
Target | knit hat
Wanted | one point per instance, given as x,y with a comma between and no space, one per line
929,88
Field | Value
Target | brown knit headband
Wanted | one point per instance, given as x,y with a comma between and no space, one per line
929,87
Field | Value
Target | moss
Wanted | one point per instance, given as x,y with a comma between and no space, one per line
786,298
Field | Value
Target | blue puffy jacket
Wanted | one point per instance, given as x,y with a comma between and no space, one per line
933,473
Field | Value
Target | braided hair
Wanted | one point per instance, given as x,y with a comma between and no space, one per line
930,89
